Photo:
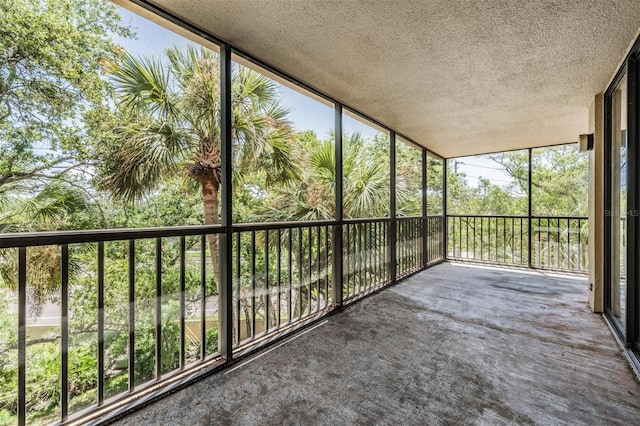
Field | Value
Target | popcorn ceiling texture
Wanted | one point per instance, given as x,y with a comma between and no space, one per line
459,77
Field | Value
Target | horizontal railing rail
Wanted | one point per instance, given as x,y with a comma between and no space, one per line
29,239
135,308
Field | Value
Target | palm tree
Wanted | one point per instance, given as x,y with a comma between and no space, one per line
366,191
169,124
54,206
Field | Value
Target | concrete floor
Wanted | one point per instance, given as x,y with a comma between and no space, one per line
452,345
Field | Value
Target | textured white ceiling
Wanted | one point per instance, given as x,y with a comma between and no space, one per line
457,76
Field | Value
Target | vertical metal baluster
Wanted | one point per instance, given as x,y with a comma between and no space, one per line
158,308
460,230
416,243
404,247
406,235
183,290
420,235
491,244
466,225
347,269
203,296
569,244
521,242
558,244
399,237
64,331
310,265
238,289
539,248
497,239
548,242
326,266
266,298
385,251
453,235
513,240
253,284
22,336
504,239
489,238
481,238
376,267
373,282
279,278
413,247
430,240
410,244
361,258
290,283
318,266
367,263
579,244
427,234
300,270
100,323
132,314
474,238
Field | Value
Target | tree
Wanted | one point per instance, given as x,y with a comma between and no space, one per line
51,54
168,124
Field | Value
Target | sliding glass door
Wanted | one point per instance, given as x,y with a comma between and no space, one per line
622,221
618,212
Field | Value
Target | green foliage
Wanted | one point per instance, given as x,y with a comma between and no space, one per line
366,191
408,180
559,185
51,57
435,181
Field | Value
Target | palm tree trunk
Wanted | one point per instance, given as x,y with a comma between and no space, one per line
210,188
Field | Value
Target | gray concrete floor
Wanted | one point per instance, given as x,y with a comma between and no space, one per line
455,344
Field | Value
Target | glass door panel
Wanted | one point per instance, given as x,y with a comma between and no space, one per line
619,227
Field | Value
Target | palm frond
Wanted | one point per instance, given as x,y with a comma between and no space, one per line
144,84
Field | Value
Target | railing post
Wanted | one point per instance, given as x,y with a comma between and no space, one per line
393,230
445,224
337,241
225,297
22,336
423,222
529,208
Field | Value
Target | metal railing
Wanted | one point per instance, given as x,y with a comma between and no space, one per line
366,256
281,277
559,243
135,309
545,242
